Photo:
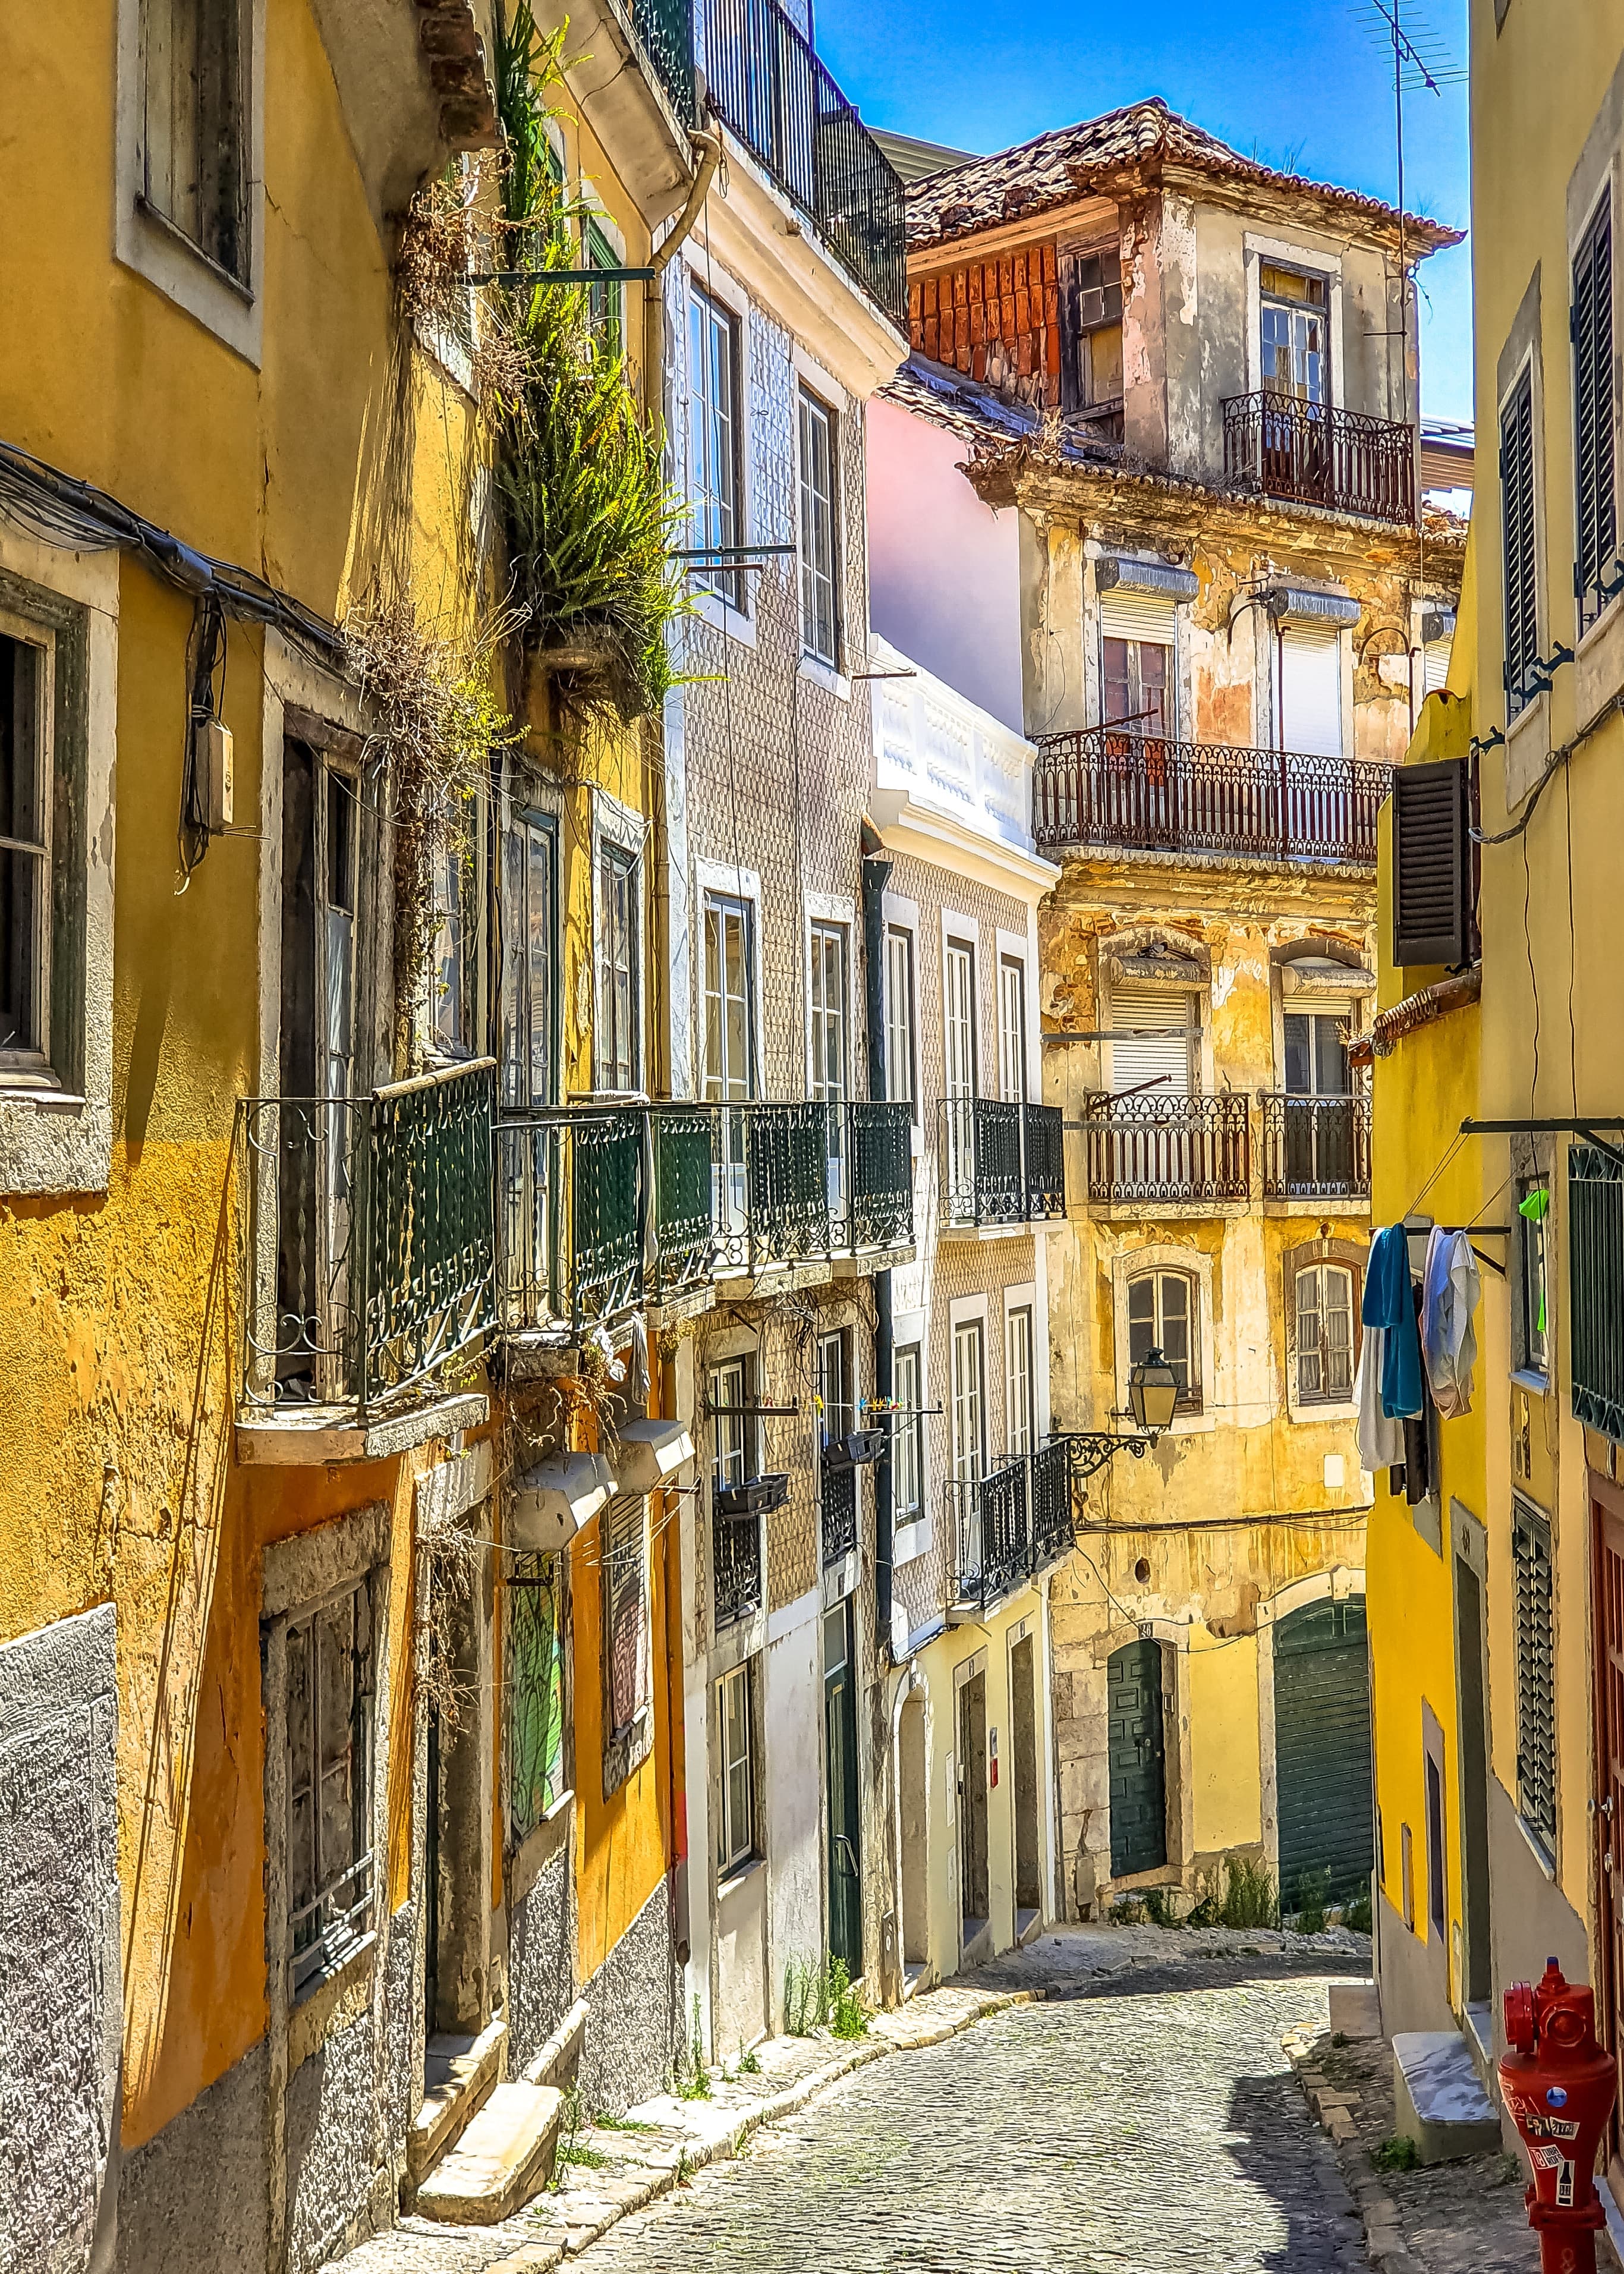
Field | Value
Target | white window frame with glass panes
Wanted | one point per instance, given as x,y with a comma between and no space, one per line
820,538
907,1450
618,838
1138,663
961,1080
736,1732
1320,1141
716,430
1325,1333
1163,1312
1020,1409
969,1399
1294,332
729,977
829,1040
902,1015
1012,1072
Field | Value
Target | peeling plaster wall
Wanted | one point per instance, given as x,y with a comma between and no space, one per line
59,1954
632,2026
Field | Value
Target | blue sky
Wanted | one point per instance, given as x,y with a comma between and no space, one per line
1307,87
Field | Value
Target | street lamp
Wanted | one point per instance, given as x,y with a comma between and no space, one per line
1153,1394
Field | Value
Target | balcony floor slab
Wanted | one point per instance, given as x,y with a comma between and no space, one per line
870,1261
1319,1204
771,1281
1022,1230
310,1436
1164,1211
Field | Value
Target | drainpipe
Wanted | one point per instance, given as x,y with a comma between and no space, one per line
708,149
877,869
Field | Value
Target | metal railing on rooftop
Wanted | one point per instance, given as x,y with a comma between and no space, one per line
369,1246
1313,454
1108,786
765,79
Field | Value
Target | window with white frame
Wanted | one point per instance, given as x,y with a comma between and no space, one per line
330,1875
1162,1315
193,136
908,1442
618,1040
530,960
733,1460
736,1820
714,442
827,1003
1019,1386
820,621
730,949
969,1401
1294,344
626,1606
1323,1307
26,666
901,1015
1012,1028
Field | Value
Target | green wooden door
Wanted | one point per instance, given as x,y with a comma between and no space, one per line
841,1759
1322,1749
1138,1776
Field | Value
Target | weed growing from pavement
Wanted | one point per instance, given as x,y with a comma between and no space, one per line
1313,1892
1396,2154
572,2151
603,2121
691,2077
1162,1906
1249,1898
848,2016
749,2064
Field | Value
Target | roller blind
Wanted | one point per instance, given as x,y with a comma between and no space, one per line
1141,1058
1311,662
1130,616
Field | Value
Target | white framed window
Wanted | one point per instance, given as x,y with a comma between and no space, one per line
194,134
454,967
901,1017
969,1400
732,1459
908,1442
329,1706
820,616
27,672
730,996
1294,334
530,960
1163,1315
1020,1383
834,1389
735,1721
959,1009
828,1006
619,1039
1012,1028
714,441
1324,1310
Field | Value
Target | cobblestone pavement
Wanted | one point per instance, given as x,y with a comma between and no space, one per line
1139,2125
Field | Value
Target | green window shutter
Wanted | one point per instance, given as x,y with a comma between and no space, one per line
1530,1553
1430,863
1595,534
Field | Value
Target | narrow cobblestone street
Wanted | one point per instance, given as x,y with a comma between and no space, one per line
1154,2126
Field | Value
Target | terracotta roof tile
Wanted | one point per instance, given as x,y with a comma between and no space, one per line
1055,169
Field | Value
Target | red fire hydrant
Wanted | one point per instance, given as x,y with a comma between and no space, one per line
1559,2086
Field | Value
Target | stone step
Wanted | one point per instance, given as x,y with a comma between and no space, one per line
505,2157
1438,2099
458,2076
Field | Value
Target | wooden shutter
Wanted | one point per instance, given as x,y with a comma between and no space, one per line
1516,483
1531,1571
1590,323
1430,863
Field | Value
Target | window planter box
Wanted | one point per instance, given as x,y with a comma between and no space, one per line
856,1451
755,1496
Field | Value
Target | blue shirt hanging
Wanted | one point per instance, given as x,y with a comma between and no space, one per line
1390,1304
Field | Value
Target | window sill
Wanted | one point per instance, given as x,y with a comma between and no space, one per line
1527,747
722,616
1327,1409
330,1999
739,1876
910,1540
814,668
146,241
1536,1846
1529,1378
530,1858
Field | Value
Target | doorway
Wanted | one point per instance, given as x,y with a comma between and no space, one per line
973,1888
1607,1517
1322,1750
840,1766
913,1806
1136,1747
1472,1725
1024,1730
456,1972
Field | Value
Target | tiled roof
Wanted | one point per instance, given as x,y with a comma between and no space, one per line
1055,169
983,419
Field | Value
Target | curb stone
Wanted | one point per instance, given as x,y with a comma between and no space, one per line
1384,2234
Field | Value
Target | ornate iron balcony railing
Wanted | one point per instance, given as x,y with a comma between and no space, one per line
666,28
370,1245
1168,1148
1307,451
837,1506
1009,1526
1107,786
1315,1147
736,1568
1003,1161
765,79
810,1179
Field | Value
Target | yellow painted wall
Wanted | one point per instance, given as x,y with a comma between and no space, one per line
1225,1774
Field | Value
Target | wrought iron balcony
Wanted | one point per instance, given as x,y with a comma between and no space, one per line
1106,785
810,1180
1315,1147
665,29
1308,452
736,1568
1003,1161
1009,1526
1168,1148
838,1504
763,79
369,1246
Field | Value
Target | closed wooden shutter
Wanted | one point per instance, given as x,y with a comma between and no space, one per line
1530,1568
1310,678
1430,863
1516,485
1595,540
1322,1750
1165,1050
1130,616
1434,665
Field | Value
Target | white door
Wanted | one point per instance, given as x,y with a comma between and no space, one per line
1020,1420
959,1012
729,1052
1012,1028
969,1403
829,1085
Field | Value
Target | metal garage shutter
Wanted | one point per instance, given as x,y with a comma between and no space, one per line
1140,1059
1322,1748
1311,664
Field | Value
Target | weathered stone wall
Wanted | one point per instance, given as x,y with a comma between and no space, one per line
541,1943
632,2027
61,2009
196,2198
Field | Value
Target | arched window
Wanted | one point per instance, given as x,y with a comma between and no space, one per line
1325,1354
1163,1315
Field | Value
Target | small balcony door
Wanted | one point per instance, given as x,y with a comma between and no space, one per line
830,1077
730,1044
1319,1106
1294,352
1020,1416
958,1008
969,1402
834,1390
528,1060
1012,1028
